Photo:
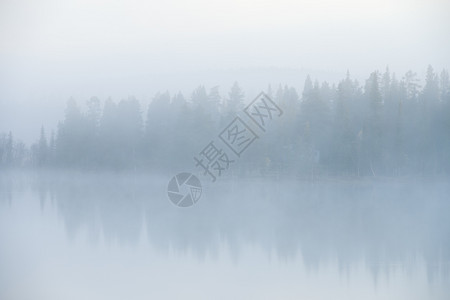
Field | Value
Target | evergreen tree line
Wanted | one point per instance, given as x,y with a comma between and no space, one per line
386,127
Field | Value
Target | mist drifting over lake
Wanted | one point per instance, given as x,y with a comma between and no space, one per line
224,149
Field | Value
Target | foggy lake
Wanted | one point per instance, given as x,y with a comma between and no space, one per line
198,149
70,235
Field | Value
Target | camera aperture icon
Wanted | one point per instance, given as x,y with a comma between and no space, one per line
184,189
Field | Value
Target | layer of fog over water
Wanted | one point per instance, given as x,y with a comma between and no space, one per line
71,235
343,193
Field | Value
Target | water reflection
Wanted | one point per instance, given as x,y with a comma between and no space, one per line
388,225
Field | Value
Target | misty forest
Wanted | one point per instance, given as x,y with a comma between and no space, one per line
387,126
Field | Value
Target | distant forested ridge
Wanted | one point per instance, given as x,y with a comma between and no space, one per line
387,126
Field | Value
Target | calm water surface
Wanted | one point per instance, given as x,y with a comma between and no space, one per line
116,236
